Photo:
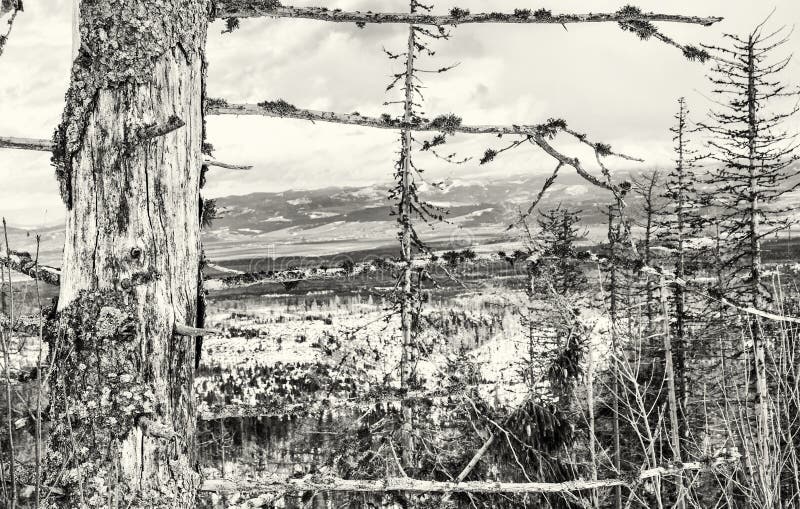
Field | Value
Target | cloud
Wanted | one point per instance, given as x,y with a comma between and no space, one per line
603,81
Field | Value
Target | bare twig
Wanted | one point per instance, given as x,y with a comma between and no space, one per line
26,144
549,182
6,345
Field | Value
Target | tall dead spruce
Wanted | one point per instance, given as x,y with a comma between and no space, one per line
755,148
128,157
408,206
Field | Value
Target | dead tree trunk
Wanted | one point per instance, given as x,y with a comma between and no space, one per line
128,157
613,238
408,362
762,405
669,376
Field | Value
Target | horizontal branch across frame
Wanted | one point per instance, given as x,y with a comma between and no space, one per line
43,145
316,273
537,133
26,144
271,8
317,483
21,262
282,110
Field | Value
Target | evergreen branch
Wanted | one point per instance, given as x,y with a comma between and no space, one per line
17,8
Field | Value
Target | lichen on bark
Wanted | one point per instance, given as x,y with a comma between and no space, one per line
98,393
121,41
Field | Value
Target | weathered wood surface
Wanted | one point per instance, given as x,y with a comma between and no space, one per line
272,8
279,109
128,154
227,166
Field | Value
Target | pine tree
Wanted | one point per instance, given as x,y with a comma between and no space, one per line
755,154
127,155
646,187
559,234
678,225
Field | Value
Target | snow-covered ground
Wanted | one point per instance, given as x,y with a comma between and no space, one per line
353,345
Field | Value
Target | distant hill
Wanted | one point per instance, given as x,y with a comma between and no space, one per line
334,220
324,221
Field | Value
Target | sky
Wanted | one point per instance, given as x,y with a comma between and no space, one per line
601,80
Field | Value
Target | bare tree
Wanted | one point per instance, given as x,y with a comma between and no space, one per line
679,225
646,187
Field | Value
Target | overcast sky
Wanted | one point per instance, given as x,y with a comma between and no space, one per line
603,81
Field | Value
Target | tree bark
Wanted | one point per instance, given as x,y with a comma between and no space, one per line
128,155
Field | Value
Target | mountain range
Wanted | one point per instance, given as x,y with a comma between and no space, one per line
336,220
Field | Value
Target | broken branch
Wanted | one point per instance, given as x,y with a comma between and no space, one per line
155,130
26,144
42,145
186,330
21,262
227,166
